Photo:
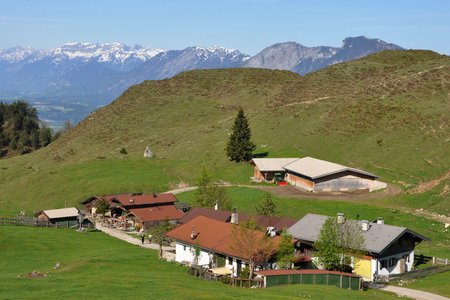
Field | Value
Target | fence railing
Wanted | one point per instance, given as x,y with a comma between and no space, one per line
245,282
36,223
440,261
420,273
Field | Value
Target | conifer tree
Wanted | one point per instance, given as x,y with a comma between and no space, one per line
239,146
268,207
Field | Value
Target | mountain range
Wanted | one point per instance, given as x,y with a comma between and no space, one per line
88,75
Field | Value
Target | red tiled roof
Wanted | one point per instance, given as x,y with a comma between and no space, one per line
130,199
212,235
157,213
304,271
219,215
225,215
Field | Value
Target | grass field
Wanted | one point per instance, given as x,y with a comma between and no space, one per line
96,266
246,199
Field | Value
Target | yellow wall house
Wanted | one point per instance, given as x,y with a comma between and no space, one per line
363,267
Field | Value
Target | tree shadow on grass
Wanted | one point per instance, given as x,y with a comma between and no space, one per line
261,154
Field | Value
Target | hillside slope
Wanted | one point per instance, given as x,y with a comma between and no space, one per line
388,113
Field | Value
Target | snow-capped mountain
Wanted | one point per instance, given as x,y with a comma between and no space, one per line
300,59
114,55
97,73
94,74
19,54
170,63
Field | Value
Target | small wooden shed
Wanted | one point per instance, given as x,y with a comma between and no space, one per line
67,215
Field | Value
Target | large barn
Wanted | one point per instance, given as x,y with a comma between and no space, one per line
315,175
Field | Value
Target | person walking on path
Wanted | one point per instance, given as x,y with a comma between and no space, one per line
142,239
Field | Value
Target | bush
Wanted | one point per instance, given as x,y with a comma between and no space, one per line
245,273
225,279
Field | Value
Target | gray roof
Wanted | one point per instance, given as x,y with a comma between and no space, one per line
376,239
316,168
272,164
61,213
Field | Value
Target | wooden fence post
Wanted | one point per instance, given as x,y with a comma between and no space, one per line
434,260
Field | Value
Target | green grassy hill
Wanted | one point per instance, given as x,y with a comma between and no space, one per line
388,113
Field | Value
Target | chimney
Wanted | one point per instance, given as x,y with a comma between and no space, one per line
234,217
380,220
193,234
365,225
154,195
131,200
216,206
271,231
340,218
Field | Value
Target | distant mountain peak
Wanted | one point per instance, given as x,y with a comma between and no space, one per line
301,59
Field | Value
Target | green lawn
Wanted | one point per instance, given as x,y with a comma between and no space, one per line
246,199
96,266
438,284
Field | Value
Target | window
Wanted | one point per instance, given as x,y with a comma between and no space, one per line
184,247
392,261
230,260
383,263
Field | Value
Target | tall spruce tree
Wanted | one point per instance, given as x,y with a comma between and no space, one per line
239,146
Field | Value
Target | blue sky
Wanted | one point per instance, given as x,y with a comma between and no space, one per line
248,25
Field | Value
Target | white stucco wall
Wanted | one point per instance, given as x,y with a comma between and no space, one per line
185,254
397,267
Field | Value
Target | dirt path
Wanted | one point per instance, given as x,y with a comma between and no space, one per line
119,234
296,193
390,191
415,294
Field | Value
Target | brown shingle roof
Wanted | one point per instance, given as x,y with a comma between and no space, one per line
157,213
225,216
212,235
219,215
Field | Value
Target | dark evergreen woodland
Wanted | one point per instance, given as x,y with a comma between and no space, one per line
239,146
20,129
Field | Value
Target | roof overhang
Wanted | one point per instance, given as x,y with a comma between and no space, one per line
333,173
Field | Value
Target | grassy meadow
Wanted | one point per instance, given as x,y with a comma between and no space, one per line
96,266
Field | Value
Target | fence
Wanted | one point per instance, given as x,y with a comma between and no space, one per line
420,273
338,280
440,261
35,223
245,282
